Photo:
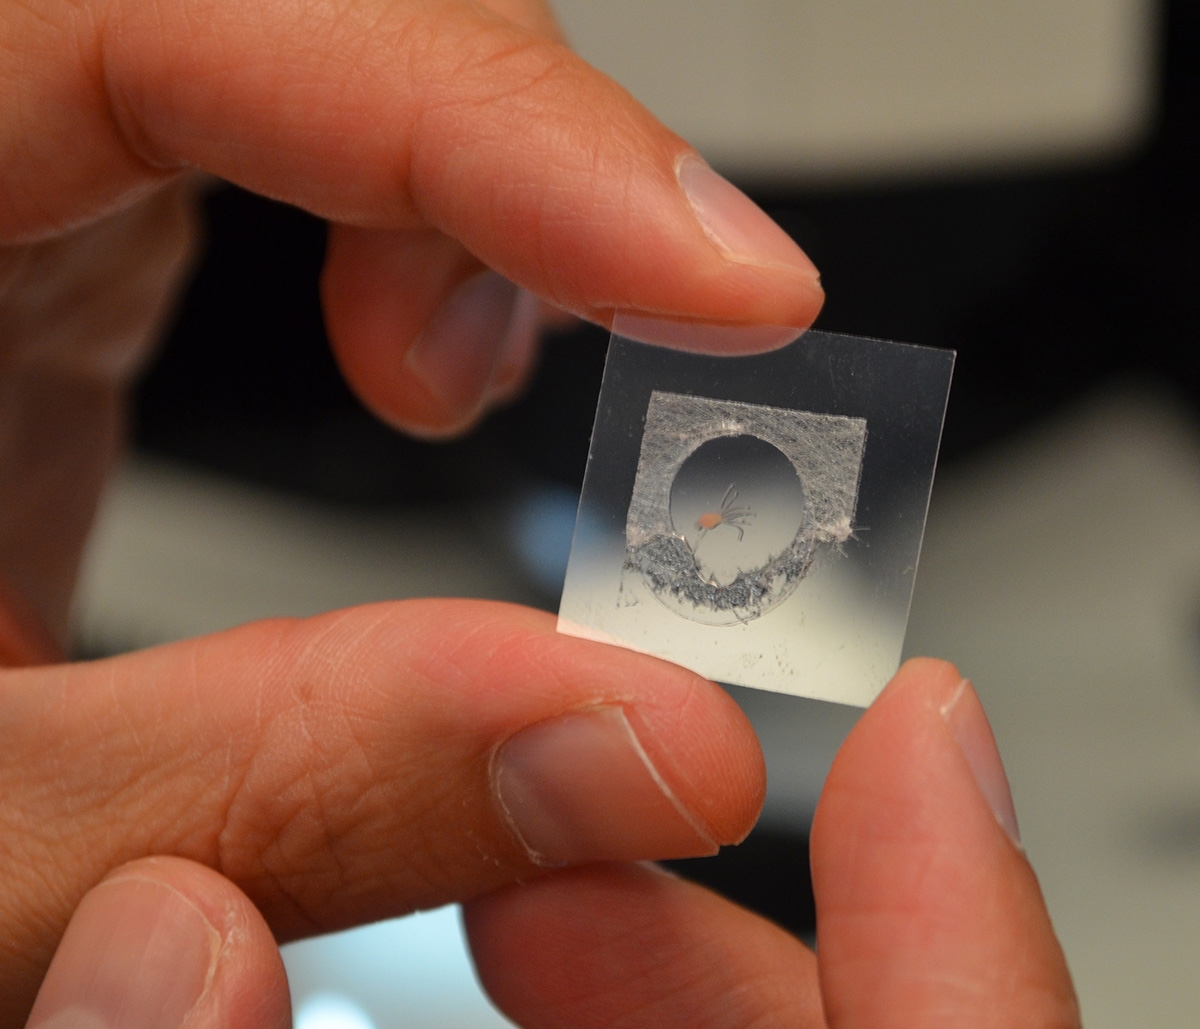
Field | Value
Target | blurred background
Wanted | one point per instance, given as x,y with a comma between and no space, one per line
1017,181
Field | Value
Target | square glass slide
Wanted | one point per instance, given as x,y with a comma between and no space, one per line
759,519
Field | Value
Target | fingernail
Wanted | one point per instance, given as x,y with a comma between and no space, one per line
969,726
580,787
137,955
736,225
702,337
519,349
457,353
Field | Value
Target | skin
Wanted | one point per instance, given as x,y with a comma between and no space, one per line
291,777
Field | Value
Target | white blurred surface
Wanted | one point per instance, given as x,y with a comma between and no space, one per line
813,88
177,552
1063,575
409,973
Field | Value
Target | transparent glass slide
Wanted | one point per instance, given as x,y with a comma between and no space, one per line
759,519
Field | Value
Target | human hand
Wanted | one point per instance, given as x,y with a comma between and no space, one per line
439,137
929,914
328,772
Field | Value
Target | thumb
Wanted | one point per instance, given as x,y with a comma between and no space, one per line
928,912
159,942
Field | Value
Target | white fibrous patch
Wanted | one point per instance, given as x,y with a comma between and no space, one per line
731,501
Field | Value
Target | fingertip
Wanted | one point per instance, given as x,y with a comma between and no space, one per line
933,679
702,337
968,724
519,352
919,887
740,229
417,326
456,356
669,766
927,667
708,750
160,942
580,787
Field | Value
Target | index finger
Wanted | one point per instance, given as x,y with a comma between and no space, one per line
418,114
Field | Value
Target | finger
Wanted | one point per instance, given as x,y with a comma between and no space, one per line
359,765
414,115
625,946
928,912
161,942
430,339
519,354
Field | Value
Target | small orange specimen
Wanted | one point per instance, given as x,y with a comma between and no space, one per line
727,515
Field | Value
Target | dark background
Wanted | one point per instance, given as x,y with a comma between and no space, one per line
1047,282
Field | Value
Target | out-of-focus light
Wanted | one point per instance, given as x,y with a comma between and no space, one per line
408,973
331,1011
541,523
